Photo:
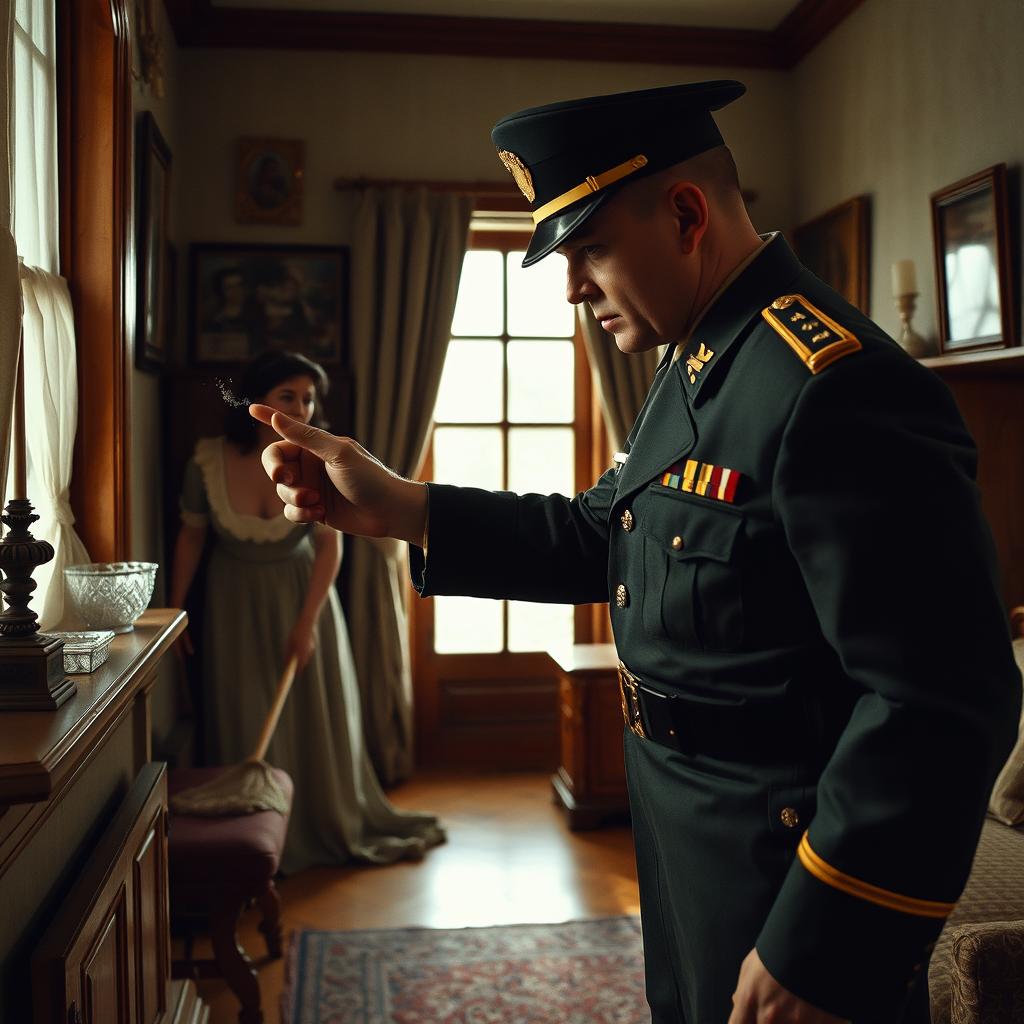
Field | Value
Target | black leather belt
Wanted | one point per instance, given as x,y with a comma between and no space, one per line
729,730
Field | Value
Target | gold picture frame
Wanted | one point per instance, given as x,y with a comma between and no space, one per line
269,181
837,247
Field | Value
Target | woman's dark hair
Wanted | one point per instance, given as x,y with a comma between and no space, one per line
261,375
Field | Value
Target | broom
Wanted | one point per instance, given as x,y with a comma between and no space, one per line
250,786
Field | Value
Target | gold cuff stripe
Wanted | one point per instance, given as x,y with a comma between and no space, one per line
865,890
594,183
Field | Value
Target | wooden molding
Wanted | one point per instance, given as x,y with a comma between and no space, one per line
808,23
97,257
198,23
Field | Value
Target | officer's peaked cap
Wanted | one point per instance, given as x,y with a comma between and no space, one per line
569,158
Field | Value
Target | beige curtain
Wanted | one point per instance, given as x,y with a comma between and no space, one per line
51,377
622,380
407,251
10,303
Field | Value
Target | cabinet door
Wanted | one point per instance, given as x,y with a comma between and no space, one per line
105,956
149,890
105,967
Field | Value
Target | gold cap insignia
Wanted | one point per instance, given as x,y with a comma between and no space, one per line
519,172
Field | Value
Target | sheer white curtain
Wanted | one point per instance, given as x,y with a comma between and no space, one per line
50,367
51,377
34,134
9,306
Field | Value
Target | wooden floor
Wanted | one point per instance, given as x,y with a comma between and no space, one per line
509,859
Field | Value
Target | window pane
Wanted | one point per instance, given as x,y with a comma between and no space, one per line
539,627
469,456
471,383
537,307
467,625
541,460
540,382
478,308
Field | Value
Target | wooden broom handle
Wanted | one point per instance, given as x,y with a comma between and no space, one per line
284,684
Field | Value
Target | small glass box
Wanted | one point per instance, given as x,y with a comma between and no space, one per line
85,651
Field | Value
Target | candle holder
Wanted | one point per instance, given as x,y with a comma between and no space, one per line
31,663
911,342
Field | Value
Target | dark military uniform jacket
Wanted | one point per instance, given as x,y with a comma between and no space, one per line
798,568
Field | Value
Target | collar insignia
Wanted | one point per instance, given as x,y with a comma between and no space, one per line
696,362
520,173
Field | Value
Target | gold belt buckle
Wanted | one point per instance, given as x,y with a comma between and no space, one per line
628,684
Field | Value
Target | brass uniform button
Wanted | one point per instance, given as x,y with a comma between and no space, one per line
627,520
789,817
621,596
677,543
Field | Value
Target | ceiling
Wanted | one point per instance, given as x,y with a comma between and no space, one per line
719,33
763,15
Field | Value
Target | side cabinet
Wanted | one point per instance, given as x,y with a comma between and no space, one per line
105,959
591,779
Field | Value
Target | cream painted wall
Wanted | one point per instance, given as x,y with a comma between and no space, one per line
415,117
902,99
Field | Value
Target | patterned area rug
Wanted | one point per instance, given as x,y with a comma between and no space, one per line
580,972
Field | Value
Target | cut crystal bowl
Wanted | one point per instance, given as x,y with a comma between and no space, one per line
110,595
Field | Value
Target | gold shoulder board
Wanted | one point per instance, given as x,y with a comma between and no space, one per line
814,337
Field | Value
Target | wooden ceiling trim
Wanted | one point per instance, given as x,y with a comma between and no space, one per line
199,23
808,23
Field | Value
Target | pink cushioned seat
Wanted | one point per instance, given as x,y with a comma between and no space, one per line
217,867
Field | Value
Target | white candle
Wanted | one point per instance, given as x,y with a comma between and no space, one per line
904,278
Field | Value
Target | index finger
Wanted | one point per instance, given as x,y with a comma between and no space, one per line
263,413
278,458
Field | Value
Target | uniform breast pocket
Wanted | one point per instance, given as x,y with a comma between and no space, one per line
692,585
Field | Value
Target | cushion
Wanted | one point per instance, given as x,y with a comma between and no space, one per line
988,976
994,893
239,852
1007,801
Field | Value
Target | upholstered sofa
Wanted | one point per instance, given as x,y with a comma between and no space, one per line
977,969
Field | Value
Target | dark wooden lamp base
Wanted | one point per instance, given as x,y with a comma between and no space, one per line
31,663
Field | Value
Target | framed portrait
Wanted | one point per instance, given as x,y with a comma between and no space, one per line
970,229
153,188
268,181
245,299
837,247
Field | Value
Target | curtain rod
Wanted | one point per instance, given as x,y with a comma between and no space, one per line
479,189
468,188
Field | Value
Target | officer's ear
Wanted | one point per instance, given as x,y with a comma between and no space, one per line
690,210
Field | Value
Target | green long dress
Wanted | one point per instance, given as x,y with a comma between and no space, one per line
256,581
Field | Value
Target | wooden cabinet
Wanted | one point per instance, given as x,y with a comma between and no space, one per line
105,958
83,851
591,779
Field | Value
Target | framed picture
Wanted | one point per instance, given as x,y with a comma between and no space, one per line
837,247
153,188
268,181
245,299
970,228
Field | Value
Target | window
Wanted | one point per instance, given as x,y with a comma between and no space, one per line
505,420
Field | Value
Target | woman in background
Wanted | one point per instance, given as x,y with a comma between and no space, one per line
270,594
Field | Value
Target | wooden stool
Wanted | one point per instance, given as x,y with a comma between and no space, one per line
217,867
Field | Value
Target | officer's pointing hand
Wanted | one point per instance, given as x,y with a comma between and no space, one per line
759,997
328,479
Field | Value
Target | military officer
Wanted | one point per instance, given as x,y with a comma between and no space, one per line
816,671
